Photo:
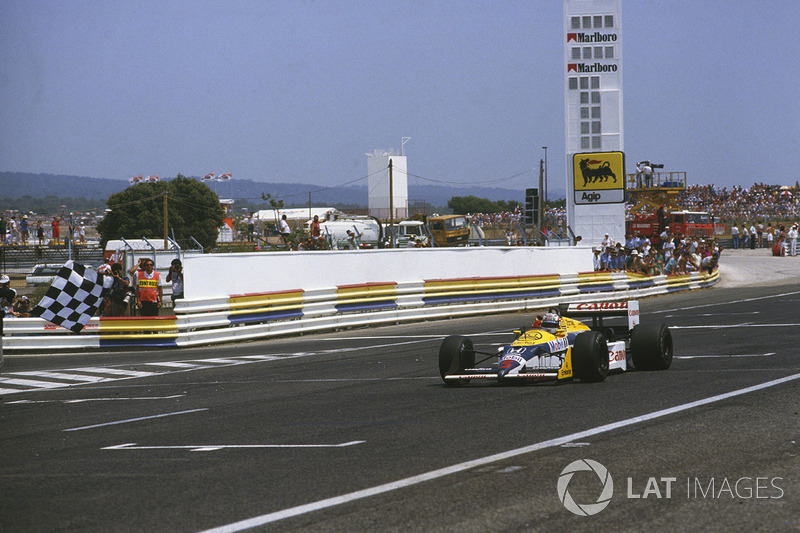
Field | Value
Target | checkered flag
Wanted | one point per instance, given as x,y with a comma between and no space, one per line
74,296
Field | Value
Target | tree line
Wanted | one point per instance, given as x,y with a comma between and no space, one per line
462,205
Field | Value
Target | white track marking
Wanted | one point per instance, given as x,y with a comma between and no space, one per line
743,300
740,325
115,371
216,447
83,400
28,383
461,467
728,356
136,419
20,379
335,380
684,315
63,376
177,364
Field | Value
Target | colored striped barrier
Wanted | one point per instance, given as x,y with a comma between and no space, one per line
261,315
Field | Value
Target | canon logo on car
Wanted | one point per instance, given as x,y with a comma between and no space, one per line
601,306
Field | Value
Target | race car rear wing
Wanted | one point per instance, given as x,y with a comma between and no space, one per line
597,310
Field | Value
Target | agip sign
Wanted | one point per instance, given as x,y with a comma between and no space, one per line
599,178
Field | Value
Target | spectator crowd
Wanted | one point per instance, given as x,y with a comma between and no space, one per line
671,254
18,229
758,202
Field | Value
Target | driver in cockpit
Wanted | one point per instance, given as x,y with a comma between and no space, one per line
550,322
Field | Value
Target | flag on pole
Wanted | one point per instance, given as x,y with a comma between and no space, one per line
74,296
225,177
136,179
208,177
152,178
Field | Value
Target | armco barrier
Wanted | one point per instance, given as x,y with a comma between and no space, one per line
255,316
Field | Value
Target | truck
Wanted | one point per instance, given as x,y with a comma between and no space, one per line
368,230
408,231
449,230
686,223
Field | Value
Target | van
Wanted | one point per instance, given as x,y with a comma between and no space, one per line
43,274
449,230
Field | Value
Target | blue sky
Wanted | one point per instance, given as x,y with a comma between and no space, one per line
298,91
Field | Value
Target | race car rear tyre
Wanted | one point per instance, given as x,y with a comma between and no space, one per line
590,357
651,347
455,355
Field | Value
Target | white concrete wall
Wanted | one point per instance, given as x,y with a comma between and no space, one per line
220,275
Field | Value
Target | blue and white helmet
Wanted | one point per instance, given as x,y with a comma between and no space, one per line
550,322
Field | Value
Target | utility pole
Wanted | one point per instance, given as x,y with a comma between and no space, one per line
166,219
540,219
391,204
545,172
70,230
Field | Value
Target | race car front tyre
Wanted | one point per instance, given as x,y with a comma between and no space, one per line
455,355
651,347
590,357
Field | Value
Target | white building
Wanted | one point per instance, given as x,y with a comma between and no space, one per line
380,188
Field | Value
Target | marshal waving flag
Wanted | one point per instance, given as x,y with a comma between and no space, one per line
74,296
225,177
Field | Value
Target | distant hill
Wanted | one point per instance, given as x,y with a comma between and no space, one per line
16,185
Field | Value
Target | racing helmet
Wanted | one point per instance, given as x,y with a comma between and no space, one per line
550,322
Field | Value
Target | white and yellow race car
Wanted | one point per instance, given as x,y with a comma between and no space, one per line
559,347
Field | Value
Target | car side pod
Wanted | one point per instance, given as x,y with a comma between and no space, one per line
651,347
456,354
590,357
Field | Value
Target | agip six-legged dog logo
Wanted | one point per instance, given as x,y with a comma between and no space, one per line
598,177
598,174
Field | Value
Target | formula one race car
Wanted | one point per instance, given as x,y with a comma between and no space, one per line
558,347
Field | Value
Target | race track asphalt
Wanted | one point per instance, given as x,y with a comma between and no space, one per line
354,431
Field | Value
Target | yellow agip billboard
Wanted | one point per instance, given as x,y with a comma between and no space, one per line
599,177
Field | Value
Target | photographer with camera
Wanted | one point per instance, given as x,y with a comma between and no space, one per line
643,168
119,297
175,276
